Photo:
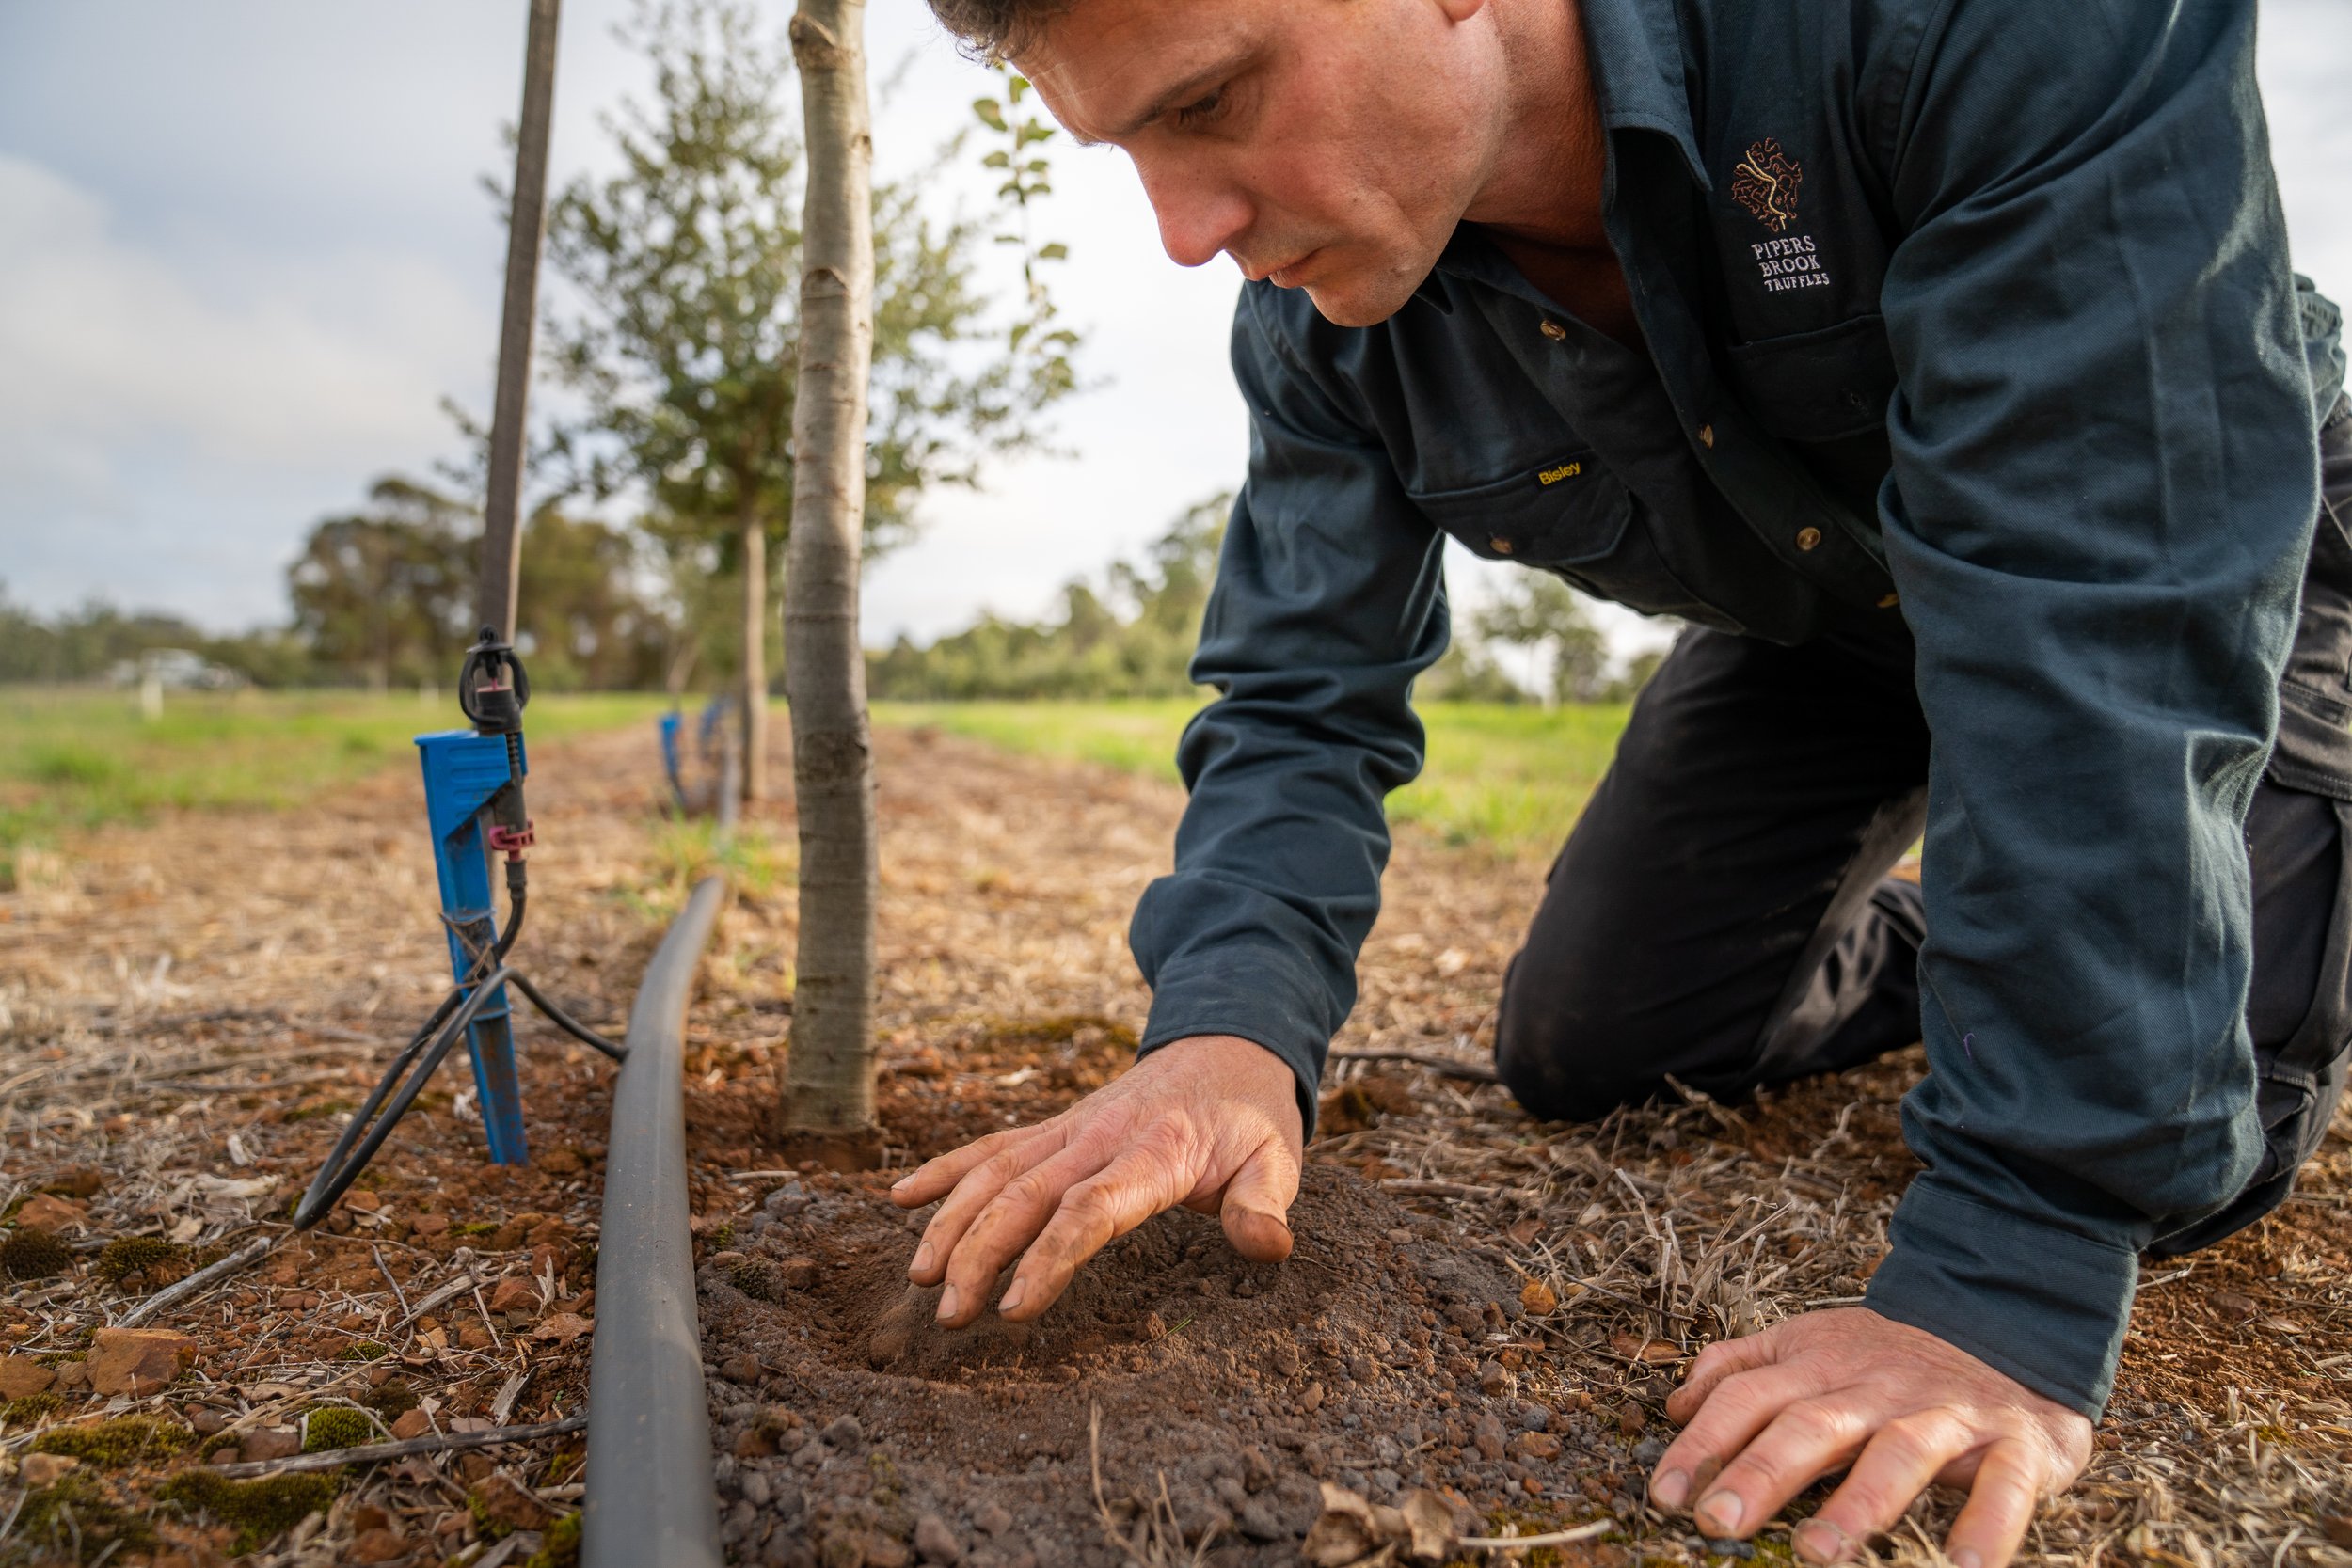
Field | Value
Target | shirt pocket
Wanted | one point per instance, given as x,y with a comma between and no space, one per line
1821,385
1573,517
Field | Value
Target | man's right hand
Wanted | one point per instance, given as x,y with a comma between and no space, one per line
1210,1122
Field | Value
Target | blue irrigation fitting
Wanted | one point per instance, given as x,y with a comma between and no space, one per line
466,775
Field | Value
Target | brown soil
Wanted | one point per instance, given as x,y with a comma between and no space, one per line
165,989
1223,1389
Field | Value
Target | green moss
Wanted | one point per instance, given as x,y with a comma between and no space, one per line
476,1228
336,1427
259,1510
32,1407
75,1511
560,1546
147,1256
394,1398
722,1237
29,1254
125,1440
318,1108
364,1350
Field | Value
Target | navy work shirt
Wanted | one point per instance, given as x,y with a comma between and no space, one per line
1968,311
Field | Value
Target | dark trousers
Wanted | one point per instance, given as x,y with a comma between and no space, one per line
1723,915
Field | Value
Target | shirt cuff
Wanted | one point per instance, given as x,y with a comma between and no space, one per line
2043,1305
1270,997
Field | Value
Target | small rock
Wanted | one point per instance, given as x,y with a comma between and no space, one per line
883,1552
475,1335
1535,1445
410,1423
1648,1451
224,1456
429,1224
1631,1419
271,1443
743,1368
54,1214
1262,1520
1283,1358
1257,1471
21,1376
43,1469
1496,1380
1724,1545
205,1421
1487,1437
1311,1400
993,1518
755,1489
137,1361
844,1432
561,1162
934,1542
512,1295
1537,1298
364,1200
798,1273
81,1181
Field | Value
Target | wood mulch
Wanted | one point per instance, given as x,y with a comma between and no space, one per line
187,1009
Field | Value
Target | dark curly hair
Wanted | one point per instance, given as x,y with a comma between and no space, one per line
992,29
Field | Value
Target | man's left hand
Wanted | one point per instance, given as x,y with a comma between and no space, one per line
1898,1408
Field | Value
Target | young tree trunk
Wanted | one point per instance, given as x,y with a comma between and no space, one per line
828,1088
754,655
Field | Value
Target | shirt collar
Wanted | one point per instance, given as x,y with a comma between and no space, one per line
1635,47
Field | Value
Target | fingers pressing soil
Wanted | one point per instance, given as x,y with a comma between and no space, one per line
1213,1393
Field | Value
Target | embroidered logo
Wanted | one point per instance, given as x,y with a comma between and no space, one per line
1766,185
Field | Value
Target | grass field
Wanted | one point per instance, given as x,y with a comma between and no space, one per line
1510,778
73,758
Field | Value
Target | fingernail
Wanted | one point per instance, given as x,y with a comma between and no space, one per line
922,1260
1966,1558
1013,1298
1819,1540
946,1303
1672,1490
1722,1510
903,1182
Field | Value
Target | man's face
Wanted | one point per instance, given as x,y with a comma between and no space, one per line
1327,145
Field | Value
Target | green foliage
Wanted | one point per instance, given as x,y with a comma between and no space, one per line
685,351
76,1521
259,1510
392,1398
125,1440
1541,611
385,593
1034,337
29,1254
1132,638
334,1426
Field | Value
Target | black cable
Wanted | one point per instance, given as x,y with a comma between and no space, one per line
367,1129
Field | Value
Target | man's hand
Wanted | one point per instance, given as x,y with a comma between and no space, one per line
1767,1415
1210,1122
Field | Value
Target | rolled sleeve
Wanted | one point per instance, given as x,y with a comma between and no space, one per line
2104,482
1329,600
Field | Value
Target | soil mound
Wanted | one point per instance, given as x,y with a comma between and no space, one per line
1209,1394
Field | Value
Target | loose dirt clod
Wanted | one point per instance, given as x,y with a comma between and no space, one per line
1204,1369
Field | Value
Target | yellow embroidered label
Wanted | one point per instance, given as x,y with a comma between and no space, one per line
1565,471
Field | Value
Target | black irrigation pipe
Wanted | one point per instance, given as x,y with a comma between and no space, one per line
650,1495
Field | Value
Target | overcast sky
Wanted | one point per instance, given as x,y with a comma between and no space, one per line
244,254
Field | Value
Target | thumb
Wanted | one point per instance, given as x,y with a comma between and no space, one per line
1257,1203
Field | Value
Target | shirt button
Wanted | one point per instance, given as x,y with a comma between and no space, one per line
1498,545
1808,538
1707,436
1553,330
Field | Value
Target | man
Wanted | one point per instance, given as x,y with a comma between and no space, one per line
1940,362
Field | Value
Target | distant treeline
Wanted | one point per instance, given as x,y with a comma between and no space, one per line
383,598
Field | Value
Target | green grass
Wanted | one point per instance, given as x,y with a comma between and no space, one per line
1511,779
73,759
